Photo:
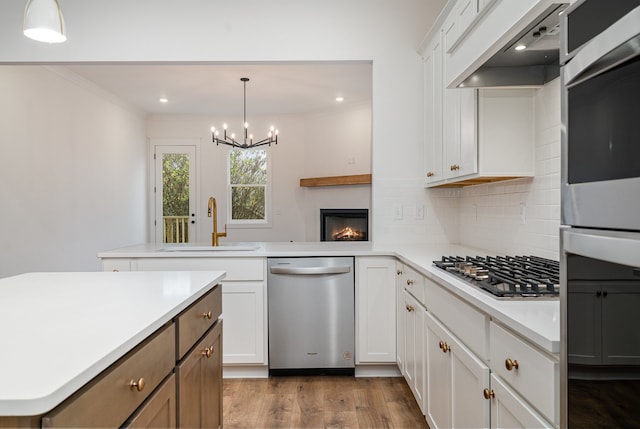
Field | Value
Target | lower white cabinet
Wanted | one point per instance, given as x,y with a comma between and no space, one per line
375,310
243,313
413,320
455,380
508,410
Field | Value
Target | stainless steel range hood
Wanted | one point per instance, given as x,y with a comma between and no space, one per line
534,65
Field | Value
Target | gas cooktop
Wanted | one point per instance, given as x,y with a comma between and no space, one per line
507,276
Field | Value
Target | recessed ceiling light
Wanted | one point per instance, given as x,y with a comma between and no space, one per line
339,99
164,100
520,47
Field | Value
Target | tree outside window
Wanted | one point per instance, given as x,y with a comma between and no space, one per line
248,179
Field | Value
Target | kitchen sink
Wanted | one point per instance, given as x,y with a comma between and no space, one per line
229,247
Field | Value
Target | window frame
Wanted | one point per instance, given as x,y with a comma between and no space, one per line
249,223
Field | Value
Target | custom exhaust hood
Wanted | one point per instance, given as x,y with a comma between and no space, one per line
531,58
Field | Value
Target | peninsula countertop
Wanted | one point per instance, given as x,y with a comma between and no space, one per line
60,330
538,320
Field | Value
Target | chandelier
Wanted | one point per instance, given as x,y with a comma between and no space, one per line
247,141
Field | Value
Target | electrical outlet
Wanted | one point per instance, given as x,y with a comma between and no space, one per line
419,212
397,211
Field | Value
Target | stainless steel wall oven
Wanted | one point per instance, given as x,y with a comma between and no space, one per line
600,243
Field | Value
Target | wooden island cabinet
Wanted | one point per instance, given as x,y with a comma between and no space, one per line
172,378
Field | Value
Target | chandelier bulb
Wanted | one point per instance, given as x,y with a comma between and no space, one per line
246,125
224,126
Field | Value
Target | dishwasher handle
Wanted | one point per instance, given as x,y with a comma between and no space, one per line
309,271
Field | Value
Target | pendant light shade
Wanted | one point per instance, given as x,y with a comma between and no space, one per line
43,21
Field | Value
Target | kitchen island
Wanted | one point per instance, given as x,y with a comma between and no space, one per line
72,338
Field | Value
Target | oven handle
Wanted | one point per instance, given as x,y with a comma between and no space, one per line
615,45
618,247
310,271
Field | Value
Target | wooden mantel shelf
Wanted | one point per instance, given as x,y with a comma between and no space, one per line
356,179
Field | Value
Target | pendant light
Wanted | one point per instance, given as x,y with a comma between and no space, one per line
247,142
43,21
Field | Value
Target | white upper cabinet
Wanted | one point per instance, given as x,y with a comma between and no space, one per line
471,136
433,121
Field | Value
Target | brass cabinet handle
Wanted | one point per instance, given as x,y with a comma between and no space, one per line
115,270
511,364
207,315
444,346
410,307
137,384
430,174
454,167
488,394
207,352
409,282
399,272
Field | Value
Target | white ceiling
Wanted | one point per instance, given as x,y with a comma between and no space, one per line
217,89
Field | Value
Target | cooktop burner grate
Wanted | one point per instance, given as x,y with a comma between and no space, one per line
507,276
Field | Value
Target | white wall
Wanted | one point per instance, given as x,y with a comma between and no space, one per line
498,225
309,145
73,173
385,32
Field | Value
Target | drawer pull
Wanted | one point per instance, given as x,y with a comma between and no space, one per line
444,346
399,272
409,282
511,364
488,394
207,315
137,384
207,352
410,307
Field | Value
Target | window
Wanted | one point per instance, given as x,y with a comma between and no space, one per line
248,186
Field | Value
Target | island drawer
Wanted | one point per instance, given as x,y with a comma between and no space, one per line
114,395
530,372
197,319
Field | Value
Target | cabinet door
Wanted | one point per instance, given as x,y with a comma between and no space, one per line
243,313
455,381
583,310
460,132
438,376
508,410
469,377
401,314
620,304
159,411
199,383
376,309
433,112
414,347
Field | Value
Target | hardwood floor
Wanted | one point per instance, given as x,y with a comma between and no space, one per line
320,402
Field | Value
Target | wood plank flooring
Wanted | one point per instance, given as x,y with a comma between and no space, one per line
320,402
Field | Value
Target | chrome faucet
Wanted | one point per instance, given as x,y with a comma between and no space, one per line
213,208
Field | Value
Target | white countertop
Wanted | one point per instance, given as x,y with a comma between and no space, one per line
59,330
538,320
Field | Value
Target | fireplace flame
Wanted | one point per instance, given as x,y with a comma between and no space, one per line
348,233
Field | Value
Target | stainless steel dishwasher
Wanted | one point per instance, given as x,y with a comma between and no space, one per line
311,315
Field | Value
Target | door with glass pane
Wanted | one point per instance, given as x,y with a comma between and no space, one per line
175,194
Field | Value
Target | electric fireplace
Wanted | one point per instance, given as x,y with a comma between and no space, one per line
344,224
